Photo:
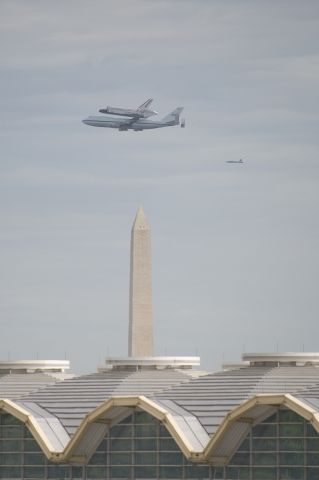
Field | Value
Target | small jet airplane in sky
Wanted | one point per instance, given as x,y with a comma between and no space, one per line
138,120
235,161
141,112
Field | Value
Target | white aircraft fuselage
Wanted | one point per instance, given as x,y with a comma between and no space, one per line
136,124
123,124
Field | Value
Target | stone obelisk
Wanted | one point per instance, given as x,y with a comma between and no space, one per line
140,342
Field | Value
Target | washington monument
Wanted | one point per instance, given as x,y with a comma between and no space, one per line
140,342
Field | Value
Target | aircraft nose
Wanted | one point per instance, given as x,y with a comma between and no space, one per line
85,121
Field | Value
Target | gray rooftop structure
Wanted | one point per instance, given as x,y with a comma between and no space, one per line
195,410
72,399
211,397
20,377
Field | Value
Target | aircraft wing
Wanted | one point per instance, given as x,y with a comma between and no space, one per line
127,123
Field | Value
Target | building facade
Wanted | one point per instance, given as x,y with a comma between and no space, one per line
256,422
284,446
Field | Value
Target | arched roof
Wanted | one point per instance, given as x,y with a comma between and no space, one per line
45,428
207,416
238,422
184,428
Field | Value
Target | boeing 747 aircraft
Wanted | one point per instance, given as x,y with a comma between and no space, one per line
138,120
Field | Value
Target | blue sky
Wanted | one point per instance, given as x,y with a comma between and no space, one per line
235,247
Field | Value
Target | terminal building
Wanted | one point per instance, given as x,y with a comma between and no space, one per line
148,417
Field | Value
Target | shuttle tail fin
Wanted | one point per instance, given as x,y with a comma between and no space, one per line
145,105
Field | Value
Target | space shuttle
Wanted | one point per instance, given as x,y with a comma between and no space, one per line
143,111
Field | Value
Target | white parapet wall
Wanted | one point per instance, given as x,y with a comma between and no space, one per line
152,363
286,358
31,366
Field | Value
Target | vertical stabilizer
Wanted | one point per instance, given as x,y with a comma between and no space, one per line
173,116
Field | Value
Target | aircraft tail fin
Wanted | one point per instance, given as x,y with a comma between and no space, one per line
145,104
173,116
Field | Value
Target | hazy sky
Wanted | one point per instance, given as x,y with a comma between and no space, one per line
235,247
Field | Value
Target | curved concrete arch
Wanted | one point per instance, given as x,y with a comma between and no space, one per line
238,422
112,411
95,425
33,425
